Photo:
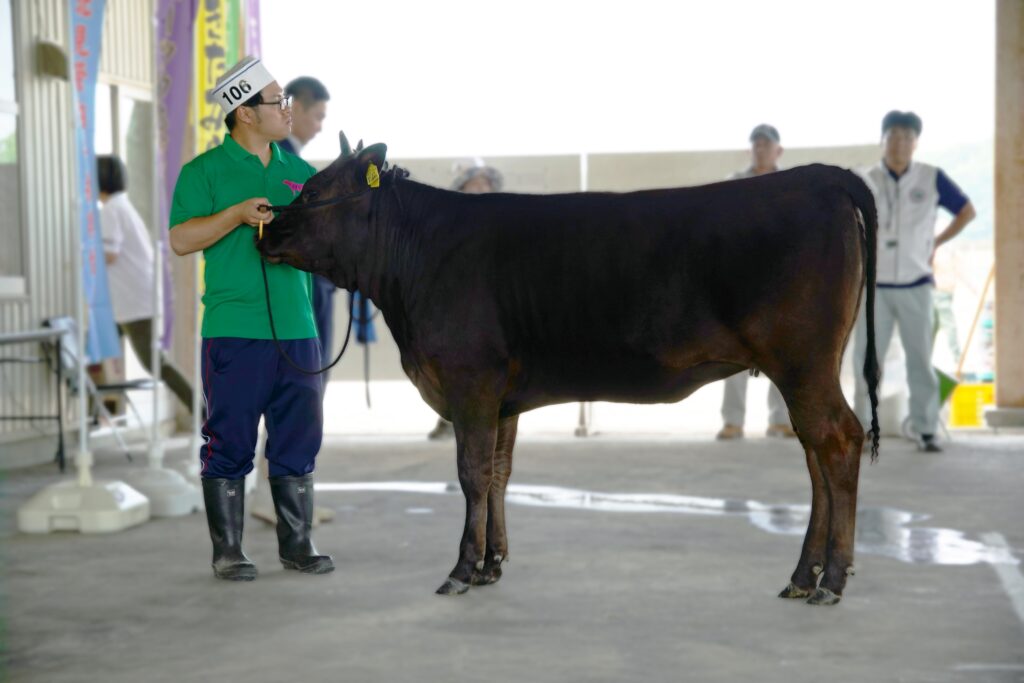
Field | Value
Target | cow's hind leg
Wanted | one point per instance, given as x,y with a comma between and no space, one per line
475,433
804,581
497,537
832,438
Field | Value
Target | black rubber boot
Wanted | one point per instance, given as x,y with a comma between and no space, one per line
225,500
293,502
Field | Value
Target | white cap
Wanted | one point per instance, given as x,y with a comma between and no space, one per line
241,82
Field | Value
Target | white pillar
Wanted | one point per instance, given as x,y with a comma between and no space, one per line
1009,215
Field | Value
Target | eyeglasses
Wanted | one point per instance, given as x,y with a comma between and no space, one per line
282,104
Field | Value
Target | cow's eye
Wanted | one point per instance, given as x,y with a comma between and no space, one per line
312,194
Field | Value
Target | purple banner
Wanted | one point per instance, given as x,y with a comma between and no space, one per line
175,20
86,22
252,32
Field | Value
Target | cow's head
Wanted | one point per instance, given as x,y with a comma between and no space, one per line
329,236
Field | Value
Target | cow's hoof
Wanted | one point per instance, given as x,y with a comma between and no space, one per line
823,596
486,576
793,591
453,587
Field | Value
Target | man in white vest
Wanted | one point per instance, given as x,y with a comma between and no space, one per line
765,150
908,195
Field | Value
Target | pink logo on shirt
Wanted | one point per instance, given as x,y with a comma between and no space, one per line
296,188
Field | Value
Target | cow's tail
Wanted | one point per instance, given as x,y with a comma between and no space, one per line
864,200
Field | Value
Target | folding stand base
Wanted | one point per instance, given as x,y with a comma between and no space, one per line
170,495
102,507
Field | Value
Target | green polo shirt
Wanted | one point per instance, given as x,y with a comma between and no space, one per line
234,298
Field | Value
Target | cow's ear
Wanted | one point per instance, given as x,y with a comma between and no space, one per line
371,156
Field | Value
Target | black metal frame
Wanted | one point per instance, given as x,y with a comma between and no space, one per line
42,335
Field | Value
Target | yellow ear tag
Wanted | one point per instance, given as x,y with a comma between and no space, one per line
372,176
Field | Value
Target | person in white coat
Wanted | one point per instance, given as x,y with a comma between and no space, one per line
128,252
765,150
908,195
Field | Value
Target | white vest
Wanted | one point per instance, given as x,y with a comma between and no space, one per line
907,209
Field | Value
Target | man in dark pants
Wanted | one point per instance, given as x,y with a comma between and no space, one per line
218,201
309,107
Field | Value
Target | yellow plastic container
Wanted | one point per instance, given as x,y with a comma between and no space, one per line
967,405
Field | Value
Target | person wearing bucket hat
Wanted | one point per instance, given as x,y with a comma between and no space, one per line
765,150
474,177
216,207
908,195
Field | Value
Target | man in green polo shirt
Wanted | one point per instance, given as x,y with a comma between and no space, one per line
217,204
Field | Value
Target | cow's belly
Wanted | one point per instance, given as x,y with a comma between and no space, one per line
632,384
539,382
428,384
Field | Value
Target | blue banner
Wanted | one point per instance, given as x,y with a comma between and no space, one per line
86,34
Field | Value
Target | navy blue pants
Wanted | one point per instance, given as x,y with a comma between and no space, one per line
323,311
244,379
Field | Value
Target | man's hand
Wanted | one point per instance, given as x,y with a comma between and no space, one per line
202,232
250,214
960,221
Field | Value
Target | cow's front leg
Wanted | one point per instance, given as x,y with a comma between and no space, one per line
475,437
497,538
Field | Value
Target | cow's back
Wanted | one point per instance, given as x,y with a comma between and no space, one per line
653,267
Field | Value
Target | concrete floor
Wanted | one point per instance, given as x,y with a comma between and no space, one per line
599,588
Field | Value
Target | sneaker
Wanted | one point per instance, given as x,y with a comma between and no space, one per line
730,432
927,444
780,431
442,431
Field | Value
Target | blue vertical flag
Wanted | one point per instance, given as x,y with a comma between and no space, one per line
86,22
362,318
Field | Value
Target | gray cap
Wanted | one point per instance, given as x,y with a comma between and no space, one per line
765,131
478,168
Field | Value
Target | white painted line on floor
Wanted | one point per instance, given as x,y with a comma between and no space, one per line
988,667
1009,574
